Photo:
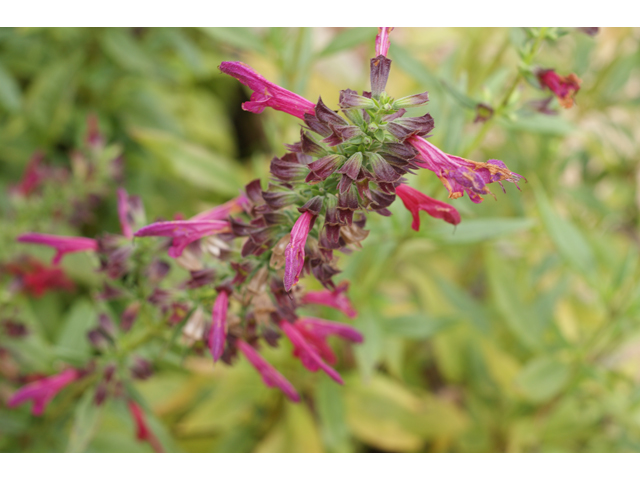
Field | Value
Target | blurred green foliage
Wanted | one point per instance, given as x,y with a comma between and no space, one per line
517,331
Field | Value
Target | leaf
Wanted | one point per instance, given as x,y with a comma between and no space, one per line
242,38
413,67
85,423
331,411
120,45
349,38
539,123
72,340
418,326
296,433
193,163
10,95
542,378
567,238
478,230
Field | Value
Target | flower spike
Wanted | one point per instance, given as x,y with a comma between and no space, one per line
266,93
183,232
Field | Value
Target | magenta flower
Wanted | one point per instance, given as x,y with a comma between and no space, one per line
323,328
414,201
270,376
335,299
123,213
382,41
267,94
62,244
218,332
41,392
221,212
460,175
143,432
307,354
564,88
33,176
183,232
294,252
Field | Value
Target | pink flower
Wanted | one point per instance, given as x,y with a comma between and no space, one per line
564,88
270,376
41,392
221,212
323,328
382,41
335,299
267,94
415,201
307,354
33,176
183,232
63,245
294,252
460,175
123,213
36,278
218,332
143,432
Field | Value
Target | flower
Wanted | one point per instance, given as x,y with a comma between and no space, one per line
41,392
564,88
307,354
33,176
218,332
335,299
130,211
143,433
183,232
221,212
294,252
460,175
37,278
382,41
270,376
62,244
414,201
323,328
267,94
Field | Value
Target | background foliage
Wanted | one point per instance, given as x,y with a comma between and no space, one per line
518,331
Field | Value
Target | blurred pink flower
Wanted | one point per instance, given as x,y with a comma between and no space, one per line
41,392
62,244
266,93
143,432
123,213
564,88
307,354
294,251
270,376
335,299
183,232
221,212
414,201
218,332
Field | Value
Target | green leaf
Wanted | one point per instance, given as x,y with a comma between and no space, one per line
238,37
349,38
195,164
331,410
85,423
478,230
567,238
120,45
542,378
413,67
539,123
418,326
10,96
72,341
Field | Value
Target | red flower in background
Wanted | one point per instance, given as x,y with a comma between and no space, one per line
36,278
143,432
564,88
416,201
41,392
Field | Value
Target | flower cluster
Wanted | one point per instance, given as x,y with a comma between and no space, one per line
245,258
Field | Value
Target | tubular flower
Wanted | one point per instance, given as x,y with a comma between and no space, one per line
414,201
41,392
221,212
294,252
143,432
382,41
62,244
270,376
183,232
564,88
266,93
33,176
460,175
307,354
124,214
336,298
218,332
